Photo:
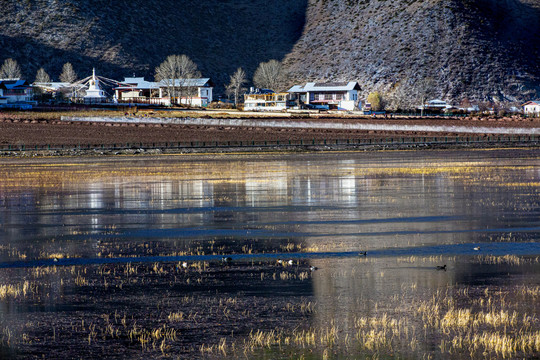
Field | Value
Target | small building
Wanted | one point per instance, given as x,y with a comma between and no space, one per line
437,104
193,92
265,100
337,96
15,91
531,108
471,108
138,90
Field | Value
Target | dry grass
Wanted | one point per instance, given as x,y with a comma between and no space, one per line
16,290
489,329
506,259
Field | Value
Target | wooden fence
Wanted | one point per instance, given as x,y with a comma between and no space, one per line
304,143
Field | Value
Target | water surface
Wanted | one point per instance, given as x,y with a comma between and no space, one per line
410,211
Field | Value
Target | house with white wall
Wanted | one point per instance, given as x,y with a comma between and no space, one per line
138,90
15,91
337,96
265,100
194,92
437,104
532,108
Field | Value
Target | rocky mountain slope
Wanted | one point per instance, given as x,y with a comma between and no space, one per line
476,49
123,37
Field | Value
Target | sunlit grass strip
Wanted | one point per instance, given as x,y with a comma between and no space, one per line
521,184
506,259
505,346
487,328
465,318
15,291
48,175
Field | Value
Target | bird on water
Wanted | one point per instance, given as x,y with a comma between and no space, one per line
443,267
226,259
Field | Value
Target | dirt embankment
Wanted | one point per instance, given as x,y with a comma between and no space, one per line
35,130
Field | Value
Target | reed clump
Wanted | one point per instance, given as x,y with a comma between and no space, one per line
490,325
16,290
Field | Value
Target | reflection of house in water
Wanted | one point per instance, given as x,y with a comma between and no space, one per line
267,188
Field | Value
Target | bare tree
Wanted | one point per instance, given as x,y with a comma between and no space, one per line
236,84
269,75
68,75
177,72
42,76
10,70
400,100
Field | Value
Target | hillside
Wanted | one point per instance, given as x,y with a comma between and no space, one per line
479,49
124,37
476,49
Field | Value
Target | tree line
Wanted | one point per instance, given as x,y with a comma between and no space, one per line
175,73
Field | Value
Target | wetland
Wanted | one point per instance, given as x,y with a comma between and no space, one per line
403,254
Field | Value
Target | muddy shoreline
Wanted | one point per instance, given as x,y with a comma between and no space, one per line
44,131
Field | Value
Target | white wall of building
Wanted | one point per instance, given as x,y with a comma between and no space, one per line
11,98
532,109
259,106
206,92
347,104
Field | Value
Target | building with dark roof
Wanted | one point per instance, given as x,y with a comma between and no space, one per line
15,91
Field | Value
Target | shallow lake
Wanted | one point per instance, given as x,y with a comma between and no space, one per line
97,239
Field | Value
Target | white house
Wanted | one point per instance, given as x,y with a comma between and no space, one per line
437,104
472,108
532,108
265,100
338,96
195,92
15,91
138,90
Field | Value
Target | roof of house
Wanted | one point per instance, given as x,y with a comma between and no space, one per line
437,102
296,89
14,84
187,82
136,83
140,83
52,85
534,102
335,86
